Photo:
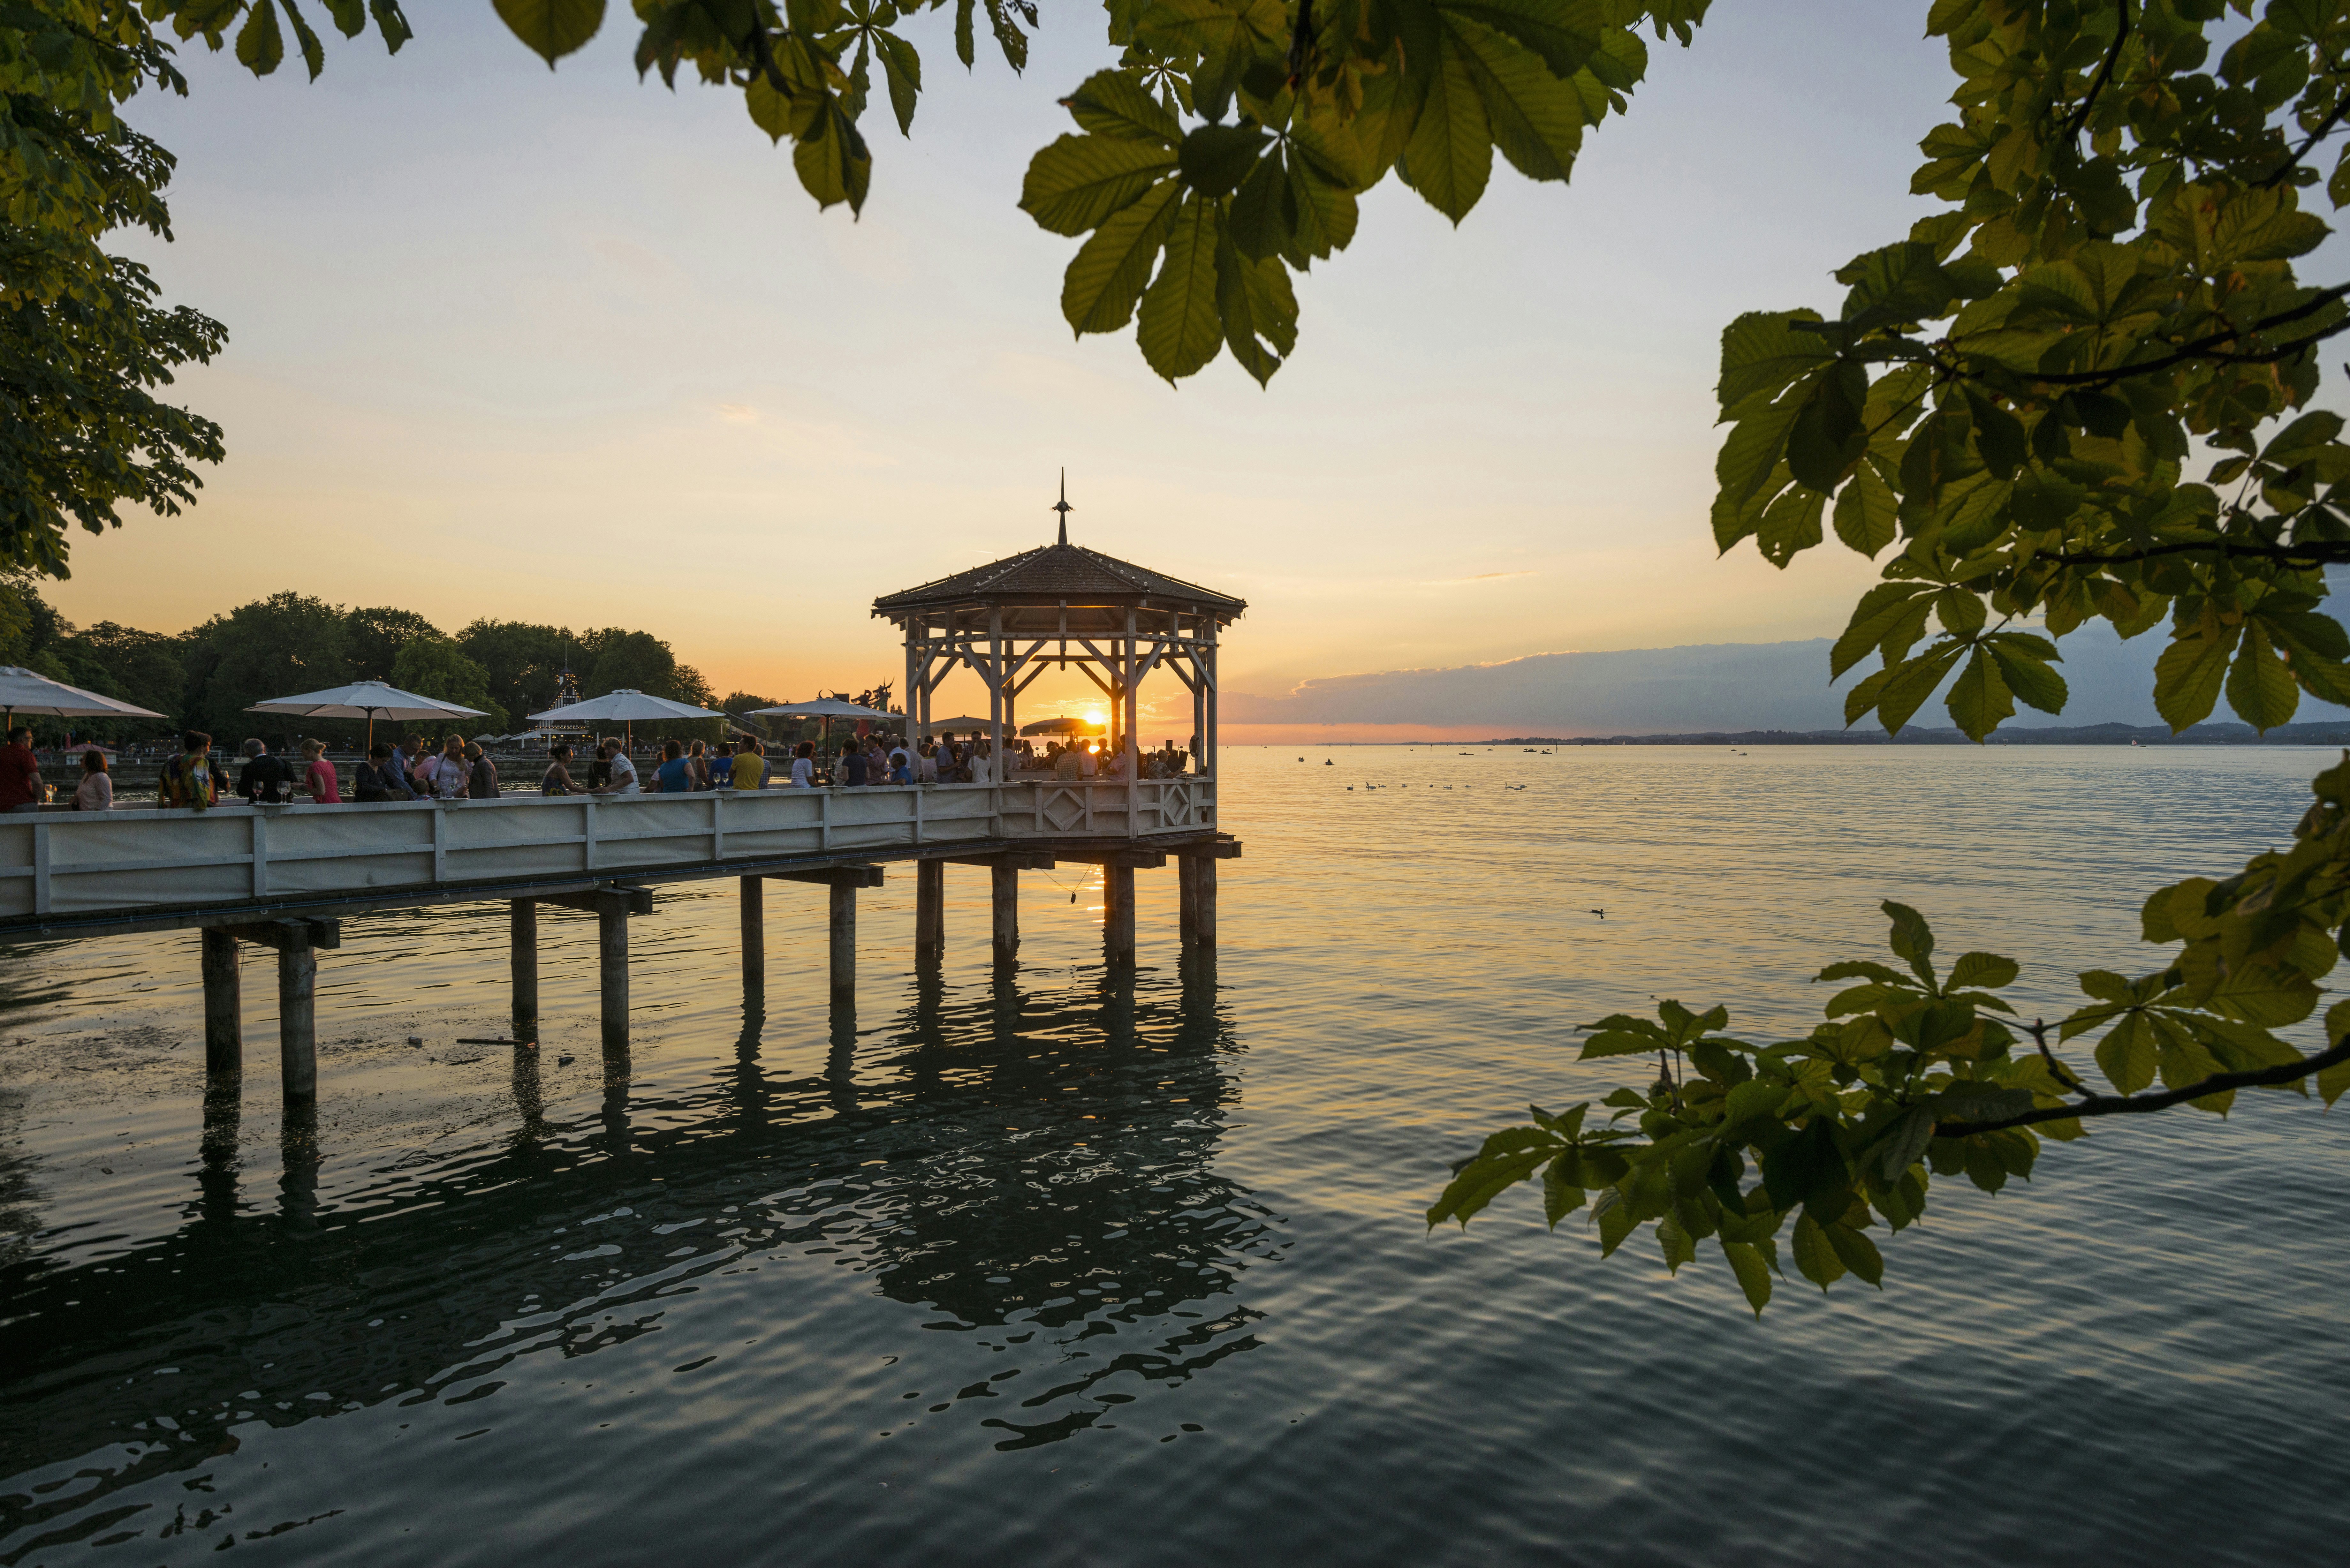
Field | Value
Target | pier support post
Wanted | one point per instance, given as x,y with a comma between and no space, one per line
1004,890
930,910
611,907
844,941
1199,872
754,934
298,942
612,965
1187,895
521,926
224,1004
1118,914
297,1018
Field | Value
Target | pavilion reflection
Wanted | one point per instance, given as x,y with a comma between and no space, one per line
990,1153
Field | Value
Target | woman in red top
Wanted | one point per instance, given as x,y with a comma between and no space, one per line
319,778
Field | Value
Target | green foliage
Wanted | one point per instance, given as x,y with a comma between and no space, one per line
2011,404
436,666
1912,1076
271,648
84,343
374,636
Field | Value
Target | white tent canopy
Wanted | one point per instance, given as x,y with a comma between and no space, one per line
821,708
625,707
364,700
23,691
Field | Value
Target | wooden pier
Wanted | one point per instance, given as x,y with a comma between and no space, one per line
288,877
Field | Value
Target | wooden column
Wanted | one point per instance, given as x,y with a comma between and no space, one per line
930,910
1005,888
844,941
754,934
1118,917
522,929
612,960
223,1004
1203,899
297,1025
1187,885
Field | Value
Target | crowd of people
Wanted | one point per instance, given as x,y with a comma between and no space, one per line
458,769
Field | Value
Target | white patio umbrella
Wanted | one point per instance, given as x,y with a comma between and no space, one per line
961,722
24,691
625,707
824,709
1062,726
368,699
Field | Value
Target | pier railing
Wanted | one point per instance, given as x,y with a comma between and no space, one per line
72,863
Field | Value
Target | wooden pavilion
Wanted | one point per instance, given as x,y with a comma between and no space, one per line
1054,606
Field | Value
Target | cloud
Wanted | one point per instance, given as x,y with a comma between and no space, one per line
1669,690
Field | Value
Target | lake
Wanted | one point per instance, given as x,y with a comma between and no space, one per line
1052,1269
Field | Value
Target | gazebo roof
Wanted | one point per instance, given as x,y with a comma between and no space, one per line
1051,573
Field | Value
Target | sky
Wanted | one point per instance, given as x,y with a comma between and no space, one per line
561,347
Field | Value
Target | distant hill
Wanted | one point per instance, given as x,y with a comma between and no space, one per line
2329,732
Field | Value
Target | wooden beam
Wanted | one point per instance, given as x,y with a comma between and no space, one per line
843,933
1131,859
1118,914
1005,860
833,875
286,935
624,900
754,934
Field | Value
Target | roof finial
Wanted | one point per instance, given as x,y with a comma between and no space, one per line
1063,507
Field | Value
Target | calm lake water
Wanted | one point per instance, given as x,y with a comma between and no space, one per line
1051,1269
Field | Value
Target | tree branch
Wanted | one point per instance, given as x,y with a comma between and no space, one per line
2208,348
2138,1105
2313,555
2105,73
2292,160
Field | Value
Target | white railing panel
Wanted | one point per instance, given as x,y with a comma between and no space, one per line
133,859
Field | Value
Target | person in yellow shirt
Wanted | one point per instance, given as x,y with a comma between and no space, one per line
750,766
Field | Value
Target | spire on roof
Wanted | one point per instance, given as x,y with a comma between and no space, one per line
1063,507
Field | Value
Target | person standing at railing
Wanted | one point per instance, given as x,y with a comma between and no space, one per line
261,777
380,777
620,775
318,776
481,774
722,767
449,772
804,766
851,770
20,774
675,774
96,791
189,779
748,770
557,779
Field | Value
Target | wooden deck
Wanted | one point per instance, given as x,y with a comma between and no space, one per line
69,873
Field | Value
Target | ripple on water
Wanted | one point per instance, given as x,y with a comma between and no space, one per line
1070,1271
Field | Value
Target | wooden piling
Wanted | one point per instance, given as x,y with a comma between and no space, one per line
522,929
612,960
1186,896
754,934
930,910
224,1004
1203,899
844,941
1005,889
297,1024
1118,916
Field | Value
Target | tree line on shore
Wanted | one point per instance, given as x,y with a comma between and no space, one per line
206,677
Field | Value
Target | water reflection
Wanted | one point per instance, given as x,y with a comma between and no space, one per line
1011,1155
